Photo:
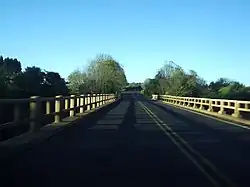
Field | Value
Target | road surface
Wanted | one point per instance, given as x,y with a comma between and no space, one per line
137,142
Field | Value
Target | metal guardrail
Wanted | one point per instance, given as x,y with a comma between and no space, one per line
40,107
222,106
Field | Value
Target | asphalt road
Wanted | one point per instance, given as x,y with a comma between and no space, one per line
137,142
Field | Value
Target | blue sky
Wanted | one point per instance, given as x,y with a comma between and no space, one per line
211,37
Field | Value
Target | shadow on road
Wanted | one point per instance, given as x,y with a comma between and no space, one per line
121,145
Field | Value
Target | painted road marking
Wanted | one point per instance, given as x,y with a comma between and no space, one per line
173,135
188,155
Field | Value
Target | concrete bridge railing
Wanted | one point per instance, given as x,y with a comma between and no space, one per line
32,112
233,108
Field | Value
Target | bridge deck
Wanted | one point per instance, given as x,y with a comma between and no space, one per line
137,143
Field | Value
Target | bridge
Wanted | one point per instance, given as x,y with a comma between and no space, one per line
126,139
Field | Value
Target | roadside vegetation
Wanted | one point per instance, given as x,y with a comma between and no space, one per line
103,75
172,79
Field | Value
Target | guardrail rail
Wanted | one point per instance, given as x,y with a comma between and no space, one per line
32,113
235,108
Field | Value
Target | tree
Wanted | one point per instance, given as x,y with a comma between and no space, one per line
15,83
104,75
31,81
11,65
173,80
3,85
54,84
78,82
107,74
151,86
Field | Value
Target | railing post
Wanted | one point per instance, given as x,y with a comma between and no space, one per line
110,98
89,102
184,102
236,110
72,106
86,102
93,100
66,103
221,107
105,98
201,105
210,108
97,100
101,99
58,111
35,113
81,104
194,106
48,107
77,104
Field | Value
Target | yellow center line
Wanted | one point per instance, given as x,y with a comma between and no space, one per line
188,155
188,147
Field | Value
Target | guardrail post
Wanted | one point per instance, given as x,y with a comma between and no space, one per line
77,104
184,102
72,106
97,100
35,113
105,98
66,103
81,104
101,99
48,107
85,102
88,102
236,110
210,108
93,100
201,105
221,107
194,106
110,98
58,111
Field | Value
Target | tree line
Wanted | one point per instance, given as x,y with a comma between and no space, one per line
18,83
171,79
103,75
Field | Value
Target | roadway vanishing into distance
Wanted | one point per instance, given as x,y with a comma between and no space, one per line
137,142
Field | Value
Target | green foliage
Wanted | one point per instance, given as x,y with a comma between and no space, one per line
134,86
104,75
15,83
78,82
173,80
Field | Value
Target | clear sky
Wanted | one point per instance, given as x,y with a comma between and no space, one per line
211,37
